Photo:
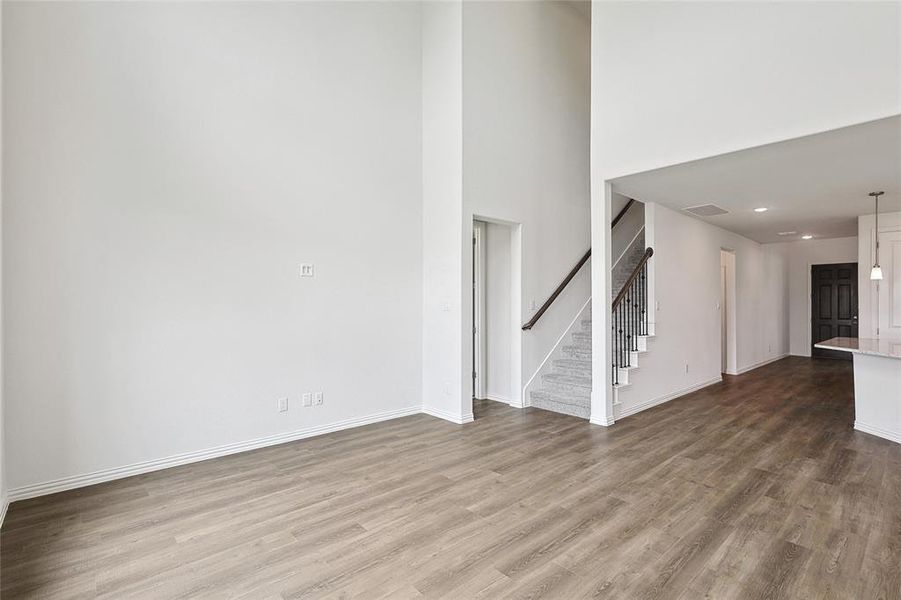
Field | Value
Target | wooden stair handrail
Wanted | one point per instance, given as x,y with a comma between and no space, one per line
622,213
572,273
557,292
622,293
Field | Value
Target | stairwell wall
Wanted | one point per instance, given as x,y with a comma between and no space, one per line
625,231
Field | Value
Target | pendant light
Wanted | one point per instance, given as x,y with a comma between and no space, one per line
876,272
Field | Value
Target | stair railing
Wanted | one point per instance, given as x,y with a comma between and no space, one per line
572,273
629,316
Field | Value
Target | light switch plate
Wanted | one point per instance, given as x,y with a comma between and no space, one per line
282,405
306,270
317,398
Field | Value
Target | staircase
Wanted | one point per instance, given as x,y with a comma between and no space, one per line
567,388
630,326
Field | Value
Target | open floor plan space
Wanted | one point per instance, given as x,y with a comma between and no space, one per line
757,487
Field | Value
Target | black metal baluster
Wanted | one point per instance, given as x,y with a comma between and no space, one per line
619,361
640,305
644,304
613,354
619,337
629,336
626,338
616,343
634,315
641,302
644,283
628,329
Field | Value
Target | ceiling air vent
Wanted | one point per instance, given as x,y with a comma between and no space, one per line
706,210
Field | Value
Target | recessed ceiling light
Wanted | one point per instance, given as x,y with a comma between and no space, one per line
806,236
761,209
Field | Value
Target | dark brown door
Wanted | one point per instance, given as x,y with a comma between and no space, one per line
834,308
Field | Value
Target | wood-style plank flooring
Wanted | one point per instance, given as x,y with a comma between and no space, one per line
754,488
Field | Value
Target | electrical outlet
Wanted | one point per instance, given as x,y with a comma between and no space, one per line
306,270
307,399
317,398
282,405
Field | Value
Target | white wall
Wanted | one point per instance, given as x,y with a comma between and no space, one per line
167,169
525,153
3,495
801,255
883,307
497,326
713,77
447,283
687,278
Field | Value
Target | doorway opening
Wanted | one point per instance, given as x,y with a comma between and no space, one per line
496,311
728,359
833,306
479,339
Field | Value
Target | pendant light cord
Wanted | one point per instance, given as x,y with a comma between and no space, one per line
877,231
875,196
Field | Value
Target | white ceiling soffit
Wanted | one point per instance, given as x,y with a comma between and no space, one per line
816,184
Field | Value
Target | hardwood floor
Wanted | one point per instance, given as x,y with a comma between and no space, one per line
754,488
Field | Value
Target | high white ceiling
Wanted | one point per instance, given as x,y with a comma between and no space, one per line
816,184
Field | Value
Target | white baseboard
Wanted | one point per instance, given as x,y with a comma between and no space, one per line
447,415
637,408
893,436
757,365
497,398
601,420
77,481
513,403
4,505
